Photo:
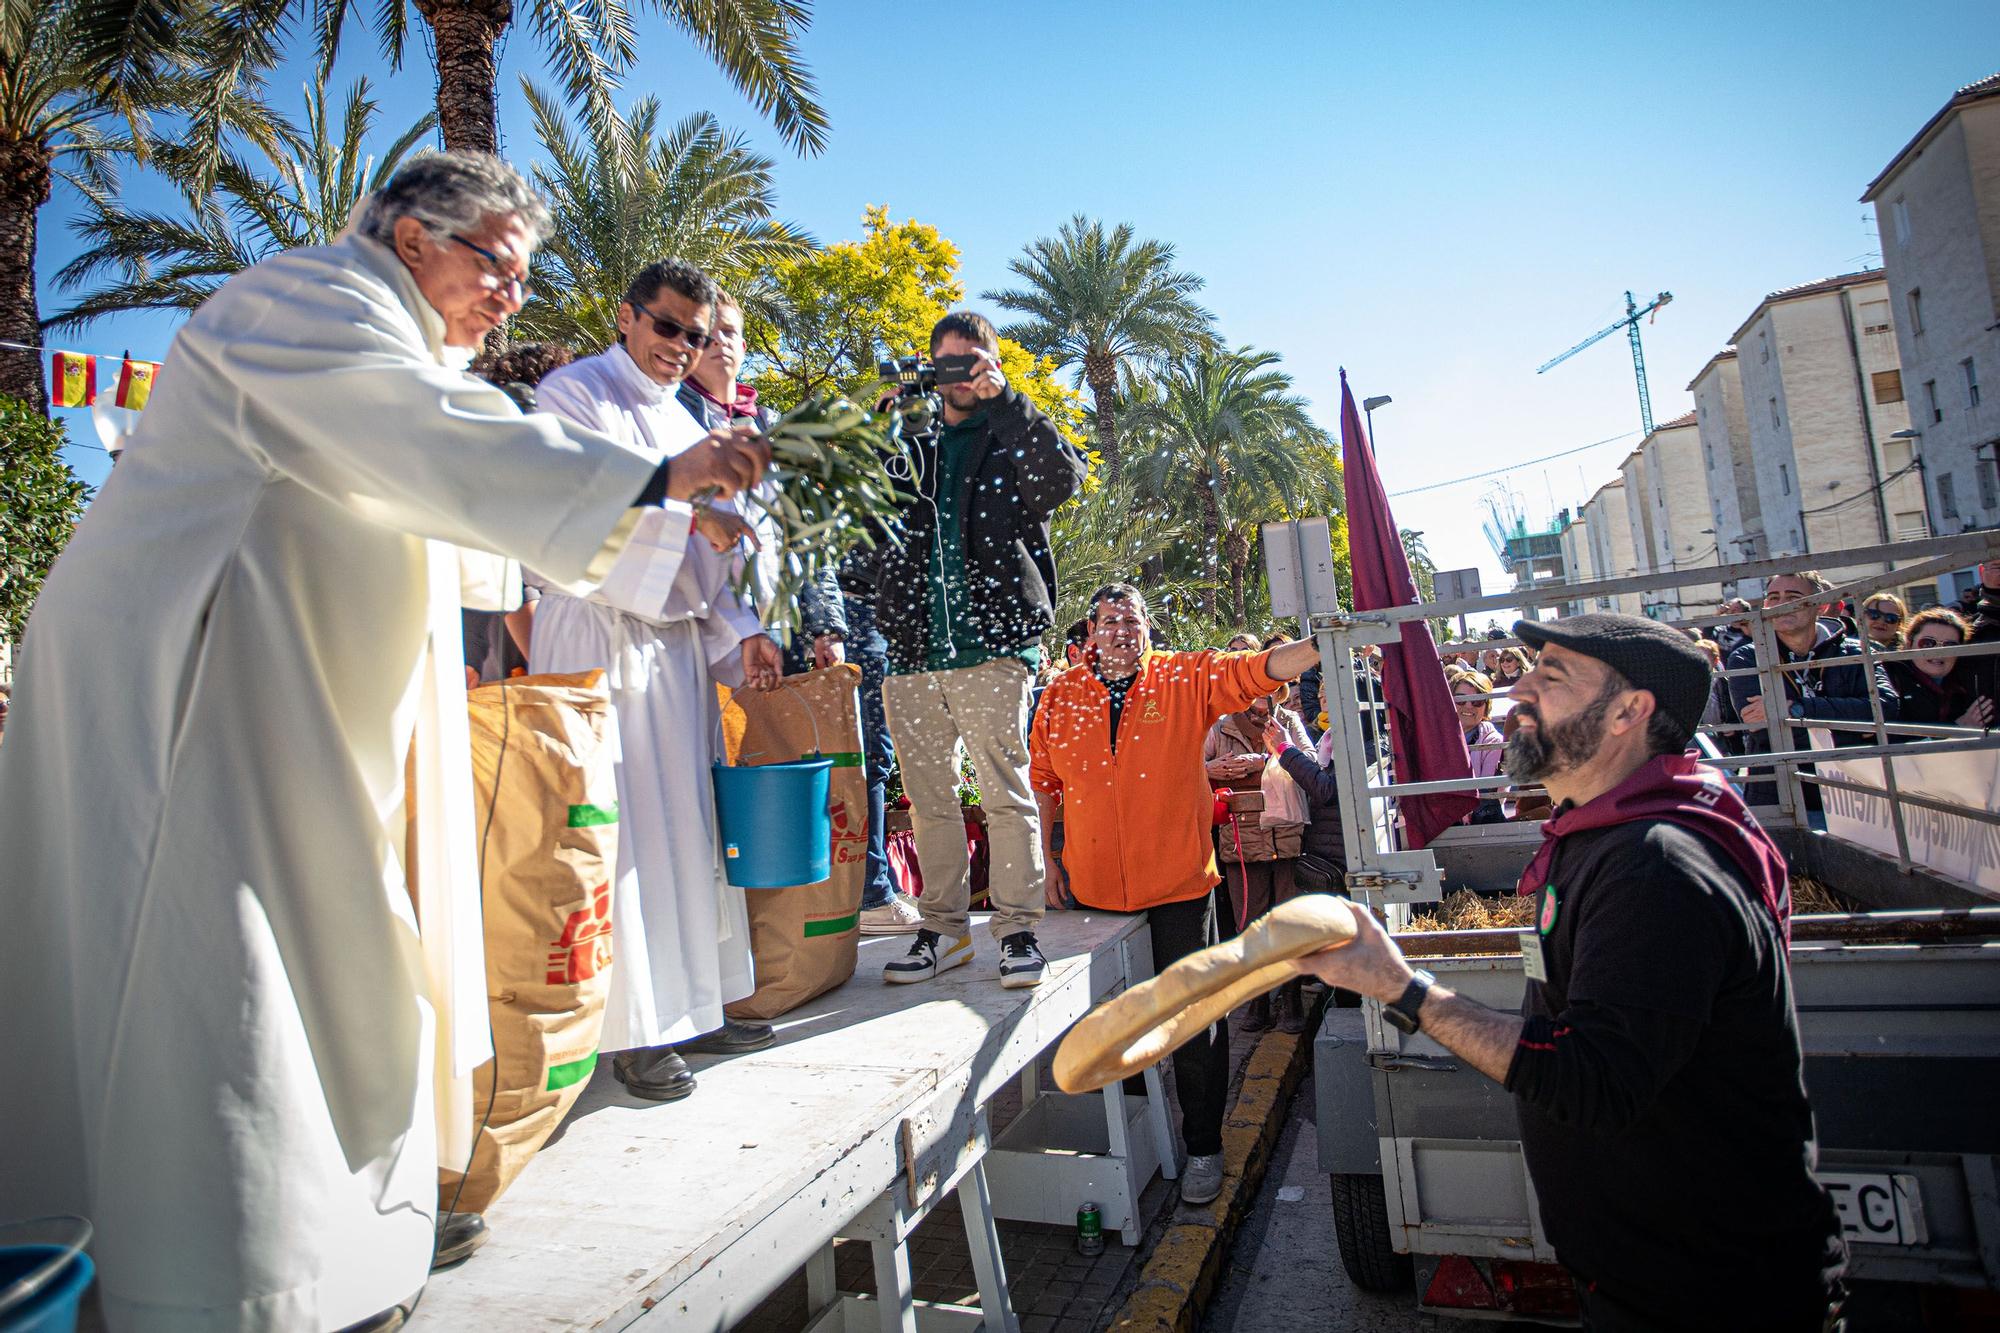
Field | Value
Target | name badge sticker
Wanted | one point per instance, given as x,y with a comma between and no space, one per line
1532,961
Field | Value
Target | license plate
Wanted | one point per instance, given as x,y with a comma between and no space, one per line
1878,1209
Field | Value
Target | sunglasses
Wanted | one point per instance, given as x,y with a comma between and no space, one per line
1935,643
1886,617
695,338
496,269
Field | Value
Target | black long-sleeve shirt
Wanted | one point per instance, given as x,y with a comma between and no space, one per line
1661,1090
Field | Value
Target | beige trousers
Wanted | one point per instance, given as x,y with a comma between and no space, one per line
985,708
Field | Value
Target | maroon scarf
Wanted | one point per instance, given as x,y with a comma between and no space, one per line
1680,790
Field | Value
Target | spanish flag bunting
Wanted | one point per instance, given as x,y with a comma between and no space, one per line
72,379
135,383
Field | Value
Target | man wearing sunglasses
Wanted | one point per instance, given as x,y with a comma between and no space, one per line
681,932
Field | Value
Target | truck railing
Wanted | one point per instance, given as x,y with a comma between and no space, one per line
1389,874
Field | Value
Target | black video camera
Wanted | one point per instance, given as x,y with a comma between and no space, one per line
913,376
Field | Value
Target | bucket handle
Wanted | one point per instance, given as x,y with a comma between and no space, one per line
18,1291
812,718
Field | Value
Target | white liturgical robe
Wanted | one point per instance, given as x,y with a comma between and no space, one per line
680,932
221,1019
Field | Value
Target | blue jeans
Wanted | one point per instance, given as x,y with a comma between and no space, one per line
867,649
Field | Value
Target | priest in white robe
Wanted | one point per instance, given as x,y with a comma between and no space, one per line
224,1029
680,931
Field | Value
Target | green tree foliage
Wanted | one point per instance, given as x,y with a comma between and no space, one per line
621,194
832,315
81,83
40,503
1220,439
1098,302
302,193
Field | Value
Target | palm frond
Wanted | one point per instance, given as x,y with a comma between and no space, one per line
755,44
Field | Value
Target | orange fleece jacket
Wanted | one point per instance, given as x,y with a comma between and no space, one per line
1135,823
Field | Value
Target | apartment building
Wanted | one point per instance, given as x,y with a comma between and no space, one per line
1574,536
1823,402
1937,206
1729,472
1608,530
1672,501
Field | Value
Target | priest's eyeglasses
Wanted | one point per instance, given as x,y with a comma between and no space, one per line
696,339
496,269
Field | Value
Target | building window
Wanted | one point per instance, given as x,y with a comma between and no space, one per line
1888,386
1784,479
1971,382
1874,316
1899,212
1931,402
1708,455
1776,424
1763,348
1916,310
1947,495
1896,455
1910,525
1989,483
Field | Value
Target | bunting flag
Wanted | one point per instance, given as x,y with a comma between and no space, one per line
72,379
135,383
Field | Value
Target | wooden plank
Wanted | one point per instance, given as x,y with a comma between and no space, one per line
691,1211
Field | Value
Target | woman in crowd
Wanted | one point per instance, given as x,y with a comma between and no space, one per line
1474,719
1939,691
1257,853
1512,664
1882,618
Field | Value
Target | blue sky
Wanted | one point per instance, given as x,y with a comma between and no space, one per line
1439,197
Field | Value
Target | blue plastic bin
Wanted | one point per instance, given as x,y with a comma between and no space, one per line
775,829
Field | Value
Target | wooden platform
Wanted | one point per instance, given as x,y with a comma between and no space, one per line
685,1215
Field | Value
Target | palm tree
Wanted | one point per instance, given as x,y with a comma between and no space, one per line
753,42
304,195
621,196
1222,433
1108,534
1098,301
79,82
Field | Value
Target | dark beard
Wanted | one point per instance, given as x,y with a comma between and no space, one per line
1571,743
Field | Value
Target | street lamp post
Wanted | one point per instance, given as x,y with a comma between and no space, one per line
1368,405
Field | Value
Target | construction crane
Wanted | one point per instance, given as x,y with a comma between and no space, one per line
1633,313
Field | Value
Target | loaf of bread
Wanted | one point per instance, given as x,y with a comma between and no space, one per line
1150,1021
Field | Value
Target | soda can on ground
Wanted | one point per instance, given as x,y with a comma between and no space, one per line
1090,1229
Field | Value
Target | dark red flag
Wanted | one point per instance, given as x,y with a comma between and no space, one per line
1424,737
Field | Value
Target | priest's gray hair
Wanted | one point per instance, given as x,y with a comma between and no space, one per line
452,192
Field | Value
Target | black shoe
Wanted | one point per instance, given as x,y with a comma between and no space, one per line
1021,961
1257,1015
732,1038
461,1234
1290,1009
656,1073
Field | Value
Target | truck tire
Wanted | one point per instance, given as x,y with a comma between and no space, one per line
1361,1223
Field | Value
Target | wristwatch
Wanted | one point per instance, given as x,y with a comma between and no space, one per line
1797,710
1402,1015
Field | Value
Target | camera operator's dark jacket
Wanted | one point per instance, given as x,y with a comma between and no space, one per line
1022,471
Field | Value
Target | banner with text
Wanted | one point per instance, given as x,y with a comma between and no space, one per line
1956,845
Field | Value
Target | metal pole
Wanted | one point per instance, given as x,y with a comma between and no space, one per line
1888,765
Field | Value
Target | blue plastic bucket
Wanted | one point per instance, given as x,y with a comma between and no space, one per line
775,829
43,1274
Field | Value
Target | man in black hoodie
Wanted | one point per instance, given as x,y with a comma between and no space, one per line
1835,688
963,601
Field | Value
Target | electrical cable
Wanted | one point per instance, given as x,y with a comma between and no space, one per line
1858,496
1514,467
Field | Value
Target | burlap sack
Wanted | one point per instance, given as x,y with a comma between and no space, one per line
547,811
803,939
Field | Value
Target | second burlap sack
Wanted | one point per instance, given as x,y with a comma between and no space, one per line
547,809
804,938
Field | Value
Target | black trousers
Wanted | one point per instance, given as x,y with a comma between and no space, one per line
1201,1068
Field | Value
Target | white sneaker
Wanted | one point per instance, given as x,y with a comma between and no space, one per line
926,958
899,916
1201,1181
1021,961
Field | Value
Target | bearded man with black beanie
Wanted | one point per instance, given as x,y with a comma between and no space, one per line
1656,1061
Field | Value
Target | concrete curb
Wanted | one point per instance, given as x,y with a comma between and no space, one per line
1180,1275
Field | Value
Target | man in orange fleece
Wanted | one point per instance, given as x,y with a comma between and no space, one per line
1117,741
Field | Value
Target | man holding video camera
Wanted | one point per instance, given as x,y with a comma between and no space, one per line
963,602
